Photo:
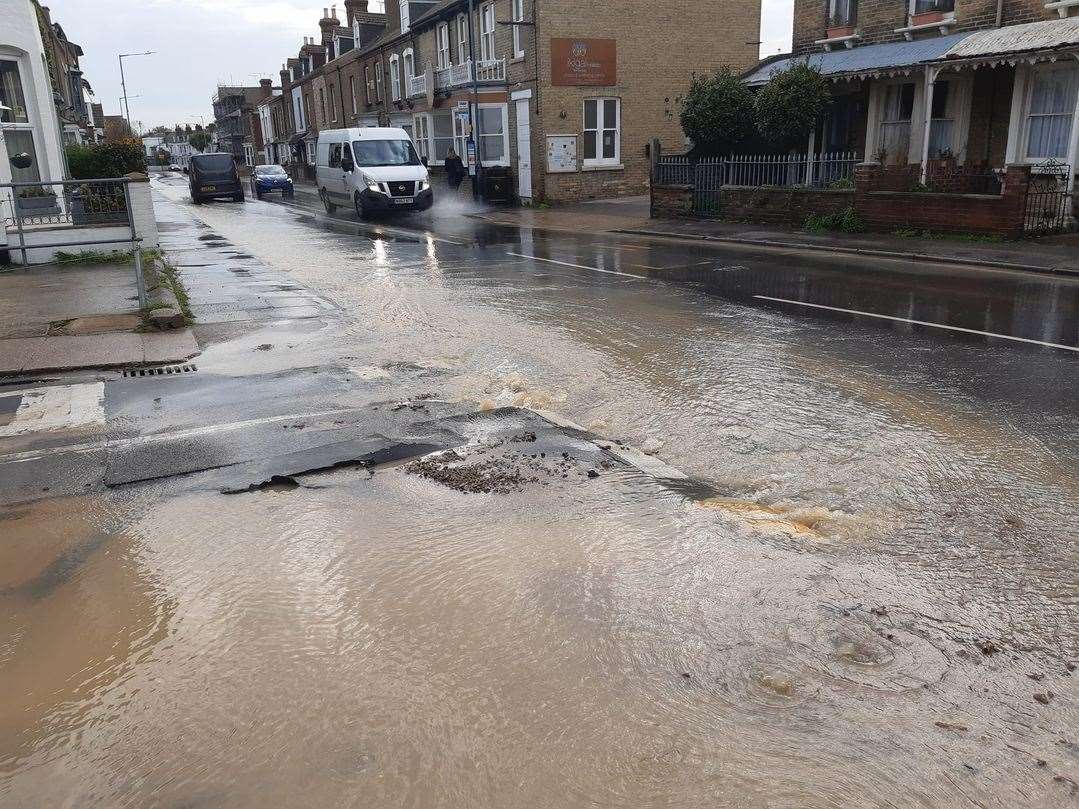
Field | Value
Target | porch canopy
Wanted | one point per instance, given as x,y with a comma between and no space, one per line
868,61
1047,39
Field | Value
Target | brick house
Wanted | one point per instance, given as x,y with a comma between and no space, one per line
937,85
564,102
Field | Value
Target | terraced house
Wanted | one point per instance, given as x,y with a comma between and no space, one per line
551,99
951,89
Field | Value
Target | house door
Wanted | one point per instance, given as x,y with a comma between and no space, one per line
524,152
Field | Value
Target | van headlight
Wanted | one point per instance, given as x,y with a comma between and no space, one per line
423,185
373,186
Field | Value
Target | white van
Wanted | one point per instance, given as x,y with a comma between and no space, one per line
372,169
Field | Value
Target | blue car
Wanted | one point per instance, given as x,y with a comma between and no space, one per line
270,178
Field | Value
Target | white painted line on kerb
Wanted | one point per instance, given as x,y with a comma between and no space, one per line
578,266
919,322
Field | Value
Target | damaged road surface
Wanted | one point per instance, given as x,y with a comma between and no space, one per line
363,553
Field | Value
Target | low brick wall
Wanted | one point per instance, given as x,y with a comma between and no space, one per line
781,206
672,201
882,207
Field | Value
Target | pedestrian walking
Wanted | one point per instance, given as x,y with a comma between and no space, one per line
455,169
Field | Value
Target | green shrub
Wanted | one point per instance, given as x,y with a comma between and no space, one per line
845,221
717,113
842,184
103,160
788,107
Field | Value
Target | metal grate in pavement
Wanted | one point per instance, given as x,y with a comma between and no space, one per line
163,370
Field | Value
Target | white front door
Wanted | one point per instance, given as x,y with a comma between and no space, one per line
524,151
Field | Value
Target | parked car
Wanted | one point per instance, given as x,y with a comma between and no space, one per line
213,176
372,169
175,167
265,179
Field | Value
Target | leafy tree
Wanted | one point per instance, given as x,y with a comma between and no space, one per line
198,127
158,132
99,160
790,104
187,129
717,113
199,140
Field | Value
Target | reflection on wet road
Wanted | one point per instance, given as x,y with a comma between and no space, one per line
861,599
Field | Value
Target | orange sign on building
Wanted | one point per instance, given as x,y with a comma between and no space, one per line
584,62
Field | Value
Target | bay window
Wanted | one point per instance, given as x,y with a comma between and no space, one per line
441,135
602,136
18,132
11,94
897,109
1050,111
421,132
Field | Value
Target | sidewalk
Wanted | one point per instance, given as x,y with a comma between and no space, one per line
57,317
1058,254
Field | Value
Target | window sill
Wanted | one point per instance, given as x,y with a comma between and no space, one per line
846,41
1061,7
603,167
943,26
516,60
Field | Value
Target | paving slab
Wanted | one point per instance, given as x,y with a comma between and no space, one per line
111,350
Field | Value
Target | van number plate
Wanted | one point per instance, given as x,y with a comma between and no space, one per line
403,201
209,188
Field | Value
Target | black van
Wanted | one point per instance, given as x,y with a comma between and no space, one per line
213,176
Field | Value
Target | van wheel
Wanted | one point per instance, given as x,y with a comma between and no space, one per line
360,210
330,207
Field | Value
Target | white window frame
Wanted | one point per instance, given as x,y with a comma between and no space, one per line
462,39
31,123
875,118
505,159
408,58
1027,93
487,35
421,135
404,15
311,157
352,92
378,82
395,78
333,103
442,45
367,94
518,16
601,127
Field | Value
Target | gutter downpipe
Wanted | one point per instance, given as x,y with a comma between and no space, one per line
474,117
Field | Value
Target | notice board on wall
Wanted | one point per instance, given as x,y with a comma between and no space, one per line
584,62
561,154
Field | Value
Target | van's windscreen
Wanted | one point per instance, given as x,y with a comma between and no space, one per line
213,162
385,153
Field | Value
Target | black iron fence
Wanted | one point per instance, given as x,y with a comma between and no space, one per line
1049,207
59,203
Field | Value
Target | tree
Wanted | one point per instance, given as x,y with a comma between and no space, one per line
717,113
790,104
158,132
199,141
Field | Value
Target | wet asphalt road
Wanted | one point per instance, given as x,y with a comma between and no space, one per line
860,596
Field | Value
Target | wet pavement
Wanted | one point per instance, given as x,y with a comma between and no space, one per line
336,564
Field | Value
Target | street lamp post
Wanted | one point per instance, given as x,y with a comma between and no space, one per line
123,84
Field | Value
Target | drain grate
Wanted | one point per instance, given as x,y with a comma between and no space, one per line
162,370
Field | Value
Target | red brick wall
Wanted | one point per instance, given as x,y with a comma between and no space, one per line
781,206
672,201
878,19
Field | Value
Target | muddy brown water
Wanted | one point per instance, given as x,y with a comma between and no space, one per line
859,614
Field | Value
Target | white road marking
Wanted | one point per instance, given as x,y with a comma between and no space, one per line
919,323
156,438
57,407
578,266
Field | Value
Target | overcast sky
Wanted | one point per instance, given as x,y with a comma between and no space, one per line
201,43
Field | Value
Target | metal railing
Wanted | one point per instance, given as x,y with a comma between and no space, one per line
77,206
417,85
829,169
486,70
1049,202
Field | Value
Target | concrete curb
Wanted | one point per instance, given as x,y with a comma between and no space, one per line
862,251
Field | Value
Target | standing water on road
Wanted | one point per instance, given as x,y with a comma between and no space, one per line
868,594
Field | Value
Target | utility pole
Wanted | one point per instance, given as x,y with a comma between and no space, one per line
474,110
123,84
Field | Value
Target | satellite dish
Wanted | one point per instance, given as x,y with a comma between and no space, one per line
22,160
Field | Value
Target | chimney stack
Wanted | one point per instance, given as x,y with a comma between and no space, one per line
327,24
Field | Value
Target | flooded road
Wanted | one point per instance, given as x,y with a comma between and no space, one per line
867,594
